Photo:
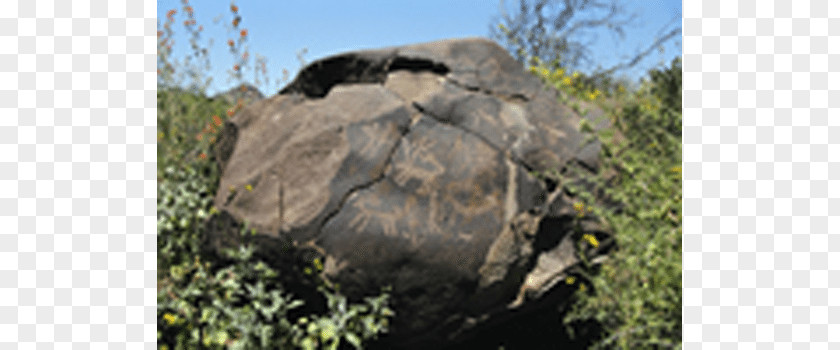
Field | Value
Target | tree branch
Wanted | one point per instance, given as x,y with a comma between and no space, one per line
643,54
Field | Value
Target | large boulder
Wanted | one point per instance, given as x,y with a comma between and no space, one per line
413,167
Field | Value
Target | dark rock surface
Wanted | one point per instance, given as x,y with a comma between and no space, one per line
411,166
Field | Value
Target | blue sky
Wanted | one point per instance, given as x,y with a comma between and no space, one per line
278,30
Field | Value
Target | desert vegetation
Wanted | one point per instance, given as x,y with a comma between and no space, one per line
636,295
239,302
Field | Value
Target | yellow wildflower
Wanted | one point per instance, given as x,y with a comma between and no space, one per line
570,280
249,188
557,75
567,81
170,318
591,239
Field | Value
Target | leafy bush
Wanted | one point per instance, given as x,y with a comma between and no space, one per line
635,293
237,303
184,201
243,306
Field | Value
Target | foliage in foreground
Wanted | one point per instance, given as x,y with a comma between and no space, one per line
205,303
243,306
635,294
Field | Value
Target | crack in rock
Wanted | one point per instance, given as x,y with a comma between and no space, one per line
403,132
317,79
507,153
517,97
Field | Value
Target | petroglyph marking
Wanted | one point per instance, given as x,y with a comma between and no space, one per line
372,209
375,142
420,164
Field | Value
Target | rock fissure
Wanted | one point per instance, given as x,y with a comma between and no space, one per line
483,139
516,98
416,65
403,132
316,80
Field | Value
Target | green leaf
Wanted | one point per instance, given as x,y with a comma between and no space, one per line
295,304
312,328
309,343
221,337
328,329
353,340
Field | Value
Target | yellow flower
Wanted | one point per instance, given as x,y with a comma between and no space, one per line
557,75
594,94
170,318
676,169
249,188
567,81
582,287
591,239
570,280
581,209
532,69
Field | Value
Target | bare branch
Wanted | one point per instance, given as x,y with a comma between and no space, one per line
622,66
564,30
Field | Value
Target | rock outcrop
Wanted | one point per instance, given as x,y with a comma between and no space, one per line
412,167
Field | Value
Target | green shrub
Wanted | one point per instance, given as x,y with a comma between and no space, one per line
636,293
184,202
243,306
